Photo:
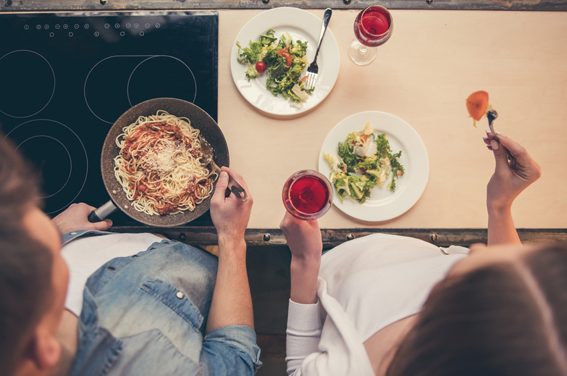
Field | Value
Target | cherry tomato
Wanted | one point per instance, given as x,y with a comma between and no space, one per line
260,67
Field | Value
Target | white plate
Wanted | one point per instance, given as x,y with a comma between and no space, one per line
301,25
382,204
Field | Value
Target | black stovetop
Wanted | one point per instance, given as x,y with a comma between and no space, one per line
65,78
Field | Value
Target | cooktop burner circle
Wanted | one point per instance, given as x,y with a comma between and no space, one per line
38,144
59,155
30,91
116,83
161,76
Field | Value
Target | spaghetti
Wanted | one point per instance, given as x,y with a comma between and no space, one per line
161,165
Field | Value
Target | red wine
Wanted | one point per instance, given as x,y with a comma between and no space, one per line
375,22
307,195
373,26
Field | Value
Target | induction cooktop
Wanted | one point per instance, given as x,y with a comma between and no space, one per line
65,78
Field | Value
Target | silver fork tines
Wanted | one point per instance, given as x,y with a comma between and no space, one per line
311,77
313,69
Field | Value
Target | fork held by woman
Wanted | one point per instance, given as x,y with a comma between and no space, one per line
515,170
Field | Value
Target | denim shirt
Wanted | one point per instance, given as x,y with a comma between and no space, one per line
146,315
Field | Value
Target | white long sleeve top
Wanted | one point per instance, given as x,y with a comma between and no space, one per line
364,285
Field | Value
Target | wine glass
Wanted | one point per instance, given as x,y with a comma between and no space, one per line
307,195
372,27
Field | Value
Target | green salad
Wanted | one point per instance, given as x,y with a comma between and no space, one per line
365,160
282,60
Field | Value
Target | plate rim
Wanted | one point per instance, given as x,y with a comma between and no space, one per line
329,36
377,216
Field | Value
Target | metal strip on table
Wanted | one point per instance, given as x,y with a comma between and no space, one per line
42,5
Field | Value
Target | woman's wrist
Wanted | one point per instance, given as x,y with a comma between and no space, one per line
306,261
499,209
304,272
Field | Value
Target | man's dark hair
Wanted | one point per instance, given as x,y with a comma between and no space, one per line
503,319
25,264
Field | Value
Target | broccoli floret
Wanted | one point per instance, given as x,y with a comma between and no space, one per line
346,153
251,72
268,37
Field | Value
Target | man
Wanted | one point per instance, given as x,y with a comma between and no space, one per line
168,310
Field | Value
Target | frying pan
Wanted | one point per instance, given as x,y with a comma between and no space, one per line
200,120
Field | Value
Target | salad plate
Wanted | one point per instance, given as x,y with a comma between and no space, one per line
383,204
299,25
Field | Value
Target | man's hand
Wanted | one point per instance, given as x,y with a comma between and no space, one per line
232,303
74,218
515,170
230,215
303,237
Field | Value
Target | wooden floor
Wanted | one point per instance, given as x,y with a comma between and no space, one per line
268,270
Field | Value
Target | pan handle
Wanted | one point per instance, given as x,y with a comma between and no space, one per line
102,212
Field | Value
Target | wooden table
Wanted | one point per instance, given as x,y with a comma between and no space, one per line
423,74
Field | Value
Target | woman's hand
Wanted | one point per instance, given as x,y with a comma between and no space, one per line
515,170
230,214
305,242
75,218
303,237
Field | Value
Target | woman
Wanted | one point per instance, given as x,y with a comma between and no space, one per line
389,305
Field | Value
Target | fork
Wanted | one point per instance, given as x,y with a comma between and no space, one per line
233,185
492,115
313,69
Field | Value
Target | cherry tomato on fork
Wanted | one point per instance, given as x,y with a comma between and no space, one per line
260,67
